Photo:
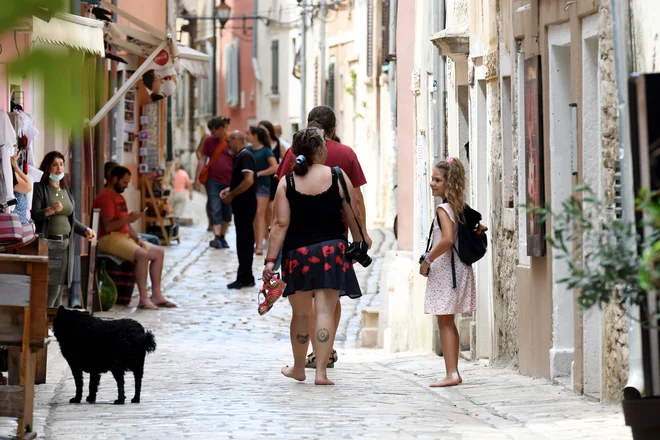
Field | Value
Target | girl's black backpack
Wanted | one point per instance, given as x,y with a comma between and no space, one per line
471,242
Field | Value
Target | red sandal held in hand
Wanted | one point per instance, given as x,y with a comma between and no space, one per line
272,291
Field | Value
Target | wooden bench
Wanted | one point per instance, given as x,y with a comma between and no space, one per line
24,324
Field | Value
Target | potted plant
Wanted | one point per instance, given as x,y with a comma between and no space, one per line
613,260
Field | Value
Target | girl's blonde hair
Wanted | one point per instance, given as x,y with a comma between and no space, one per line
454,172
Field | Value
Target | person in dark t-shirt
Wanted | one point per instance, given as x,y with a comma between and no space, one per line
242,195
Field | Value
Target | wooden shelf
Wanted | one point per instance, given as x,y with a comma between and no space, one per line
149,198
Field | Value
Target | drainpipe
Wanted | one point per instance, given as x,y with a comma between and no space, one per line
303,67
76,185
255,46
622,61
439,118
391,73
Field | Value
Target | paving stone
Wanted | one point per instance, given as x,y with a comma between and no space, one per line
216,375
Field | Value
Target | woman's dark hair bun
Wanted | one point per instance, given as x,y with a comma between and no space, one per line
306,142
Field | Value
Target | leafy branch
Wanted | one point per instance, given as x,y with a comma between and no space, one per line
610,268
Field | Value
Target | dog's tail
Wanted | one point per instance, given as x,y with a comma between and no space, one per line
149,342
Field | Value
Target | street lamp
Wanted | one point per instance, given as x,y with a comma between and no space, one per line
221,13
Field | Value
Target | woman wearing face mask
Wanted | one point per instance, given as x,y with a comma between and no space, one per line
53,214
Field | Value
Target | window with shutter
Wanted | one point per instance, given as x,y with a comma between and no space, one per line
232,74
370,38
235,75
180,98
228,64
385,32
275,56
331,85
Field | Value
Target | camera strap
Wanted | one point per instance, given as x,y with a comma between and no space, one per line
336,171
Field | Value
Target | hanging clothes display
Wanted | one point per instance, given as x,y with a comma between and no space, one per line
28,133
7,142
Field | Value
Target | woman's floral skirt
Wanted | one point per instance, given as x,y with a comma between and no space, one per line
320,266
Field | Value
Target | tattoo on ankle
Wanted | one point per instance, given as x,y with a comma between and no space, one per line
323,335
302,337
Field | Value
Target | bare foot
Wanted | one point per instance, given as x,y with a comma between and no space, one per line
293,374
148,305
323,380
448,381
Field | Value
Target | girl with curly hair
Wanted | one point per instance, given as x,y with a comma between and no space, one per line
446,296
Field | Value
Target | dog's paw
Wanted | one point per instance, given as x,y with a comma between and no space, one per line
75,400
119,401
91,399
135,400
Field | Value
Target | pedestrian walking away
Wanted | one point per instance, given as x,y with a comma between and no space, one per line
183,190
242,196
448,291
309,229
266,168
279,151
216,175
345,158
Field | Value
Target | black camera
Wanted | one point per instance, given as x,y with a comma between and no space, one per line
358,252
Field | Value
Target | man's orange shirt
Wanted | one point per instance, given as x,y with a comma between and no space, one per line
111,205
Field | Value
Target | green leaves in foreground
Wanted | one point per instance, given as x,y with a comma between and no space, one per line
61,72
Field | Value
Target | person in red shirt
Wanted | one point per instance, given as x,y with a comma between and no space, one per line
219,179
117,237
345,158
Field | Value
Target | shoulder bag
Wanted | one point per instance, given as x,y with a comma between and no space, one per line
204,175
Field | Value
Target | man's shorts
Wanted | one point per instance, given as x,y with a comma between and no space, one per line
219,211
121,245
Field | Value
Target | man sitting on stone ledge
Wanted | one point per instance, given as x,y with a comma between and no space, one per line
117,237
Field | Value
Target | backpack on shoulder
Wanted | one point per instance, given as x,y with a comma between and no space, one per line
471,239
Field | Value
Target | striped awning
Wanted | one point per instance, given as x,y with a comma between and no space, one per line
72,31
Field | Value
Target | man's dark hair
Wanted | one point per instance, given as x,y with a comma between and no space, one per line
108,167
218,122
119,172
324,116
148,78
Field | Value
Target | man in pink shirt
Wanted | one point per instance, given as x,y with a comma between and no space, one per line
182,184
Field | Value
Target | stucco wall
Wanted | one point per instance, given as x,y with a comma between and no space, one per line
406,130
615,337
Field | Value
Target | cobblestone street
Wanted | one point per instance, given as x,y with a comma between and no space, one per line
216,375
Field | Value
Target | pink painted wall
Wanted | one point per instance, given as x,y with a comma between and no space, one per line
247,82
153,12
405,41
9,54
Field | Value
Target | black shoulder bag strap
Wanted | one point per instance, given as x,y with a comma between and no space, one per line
290,185
340,177
453,250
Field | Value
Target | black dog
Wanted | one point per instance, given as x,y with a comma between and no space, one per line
97,346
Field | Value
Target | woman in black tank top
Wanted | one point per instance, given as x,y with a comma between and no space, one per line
308,227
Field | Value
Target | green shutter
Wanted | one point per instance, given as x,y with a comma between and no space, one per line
331,86
275,74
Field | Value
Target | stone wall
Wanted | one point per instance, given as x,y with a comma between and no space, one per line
504,240
615,337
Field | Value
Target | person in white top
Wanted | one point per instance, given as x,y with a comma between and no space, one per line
444,296
278,132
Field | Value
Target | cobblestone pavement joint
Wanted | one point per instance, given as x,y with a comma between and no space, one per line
216,375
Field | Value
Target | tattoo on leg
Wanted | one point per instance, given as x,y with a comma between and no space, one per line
323,335
302,337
